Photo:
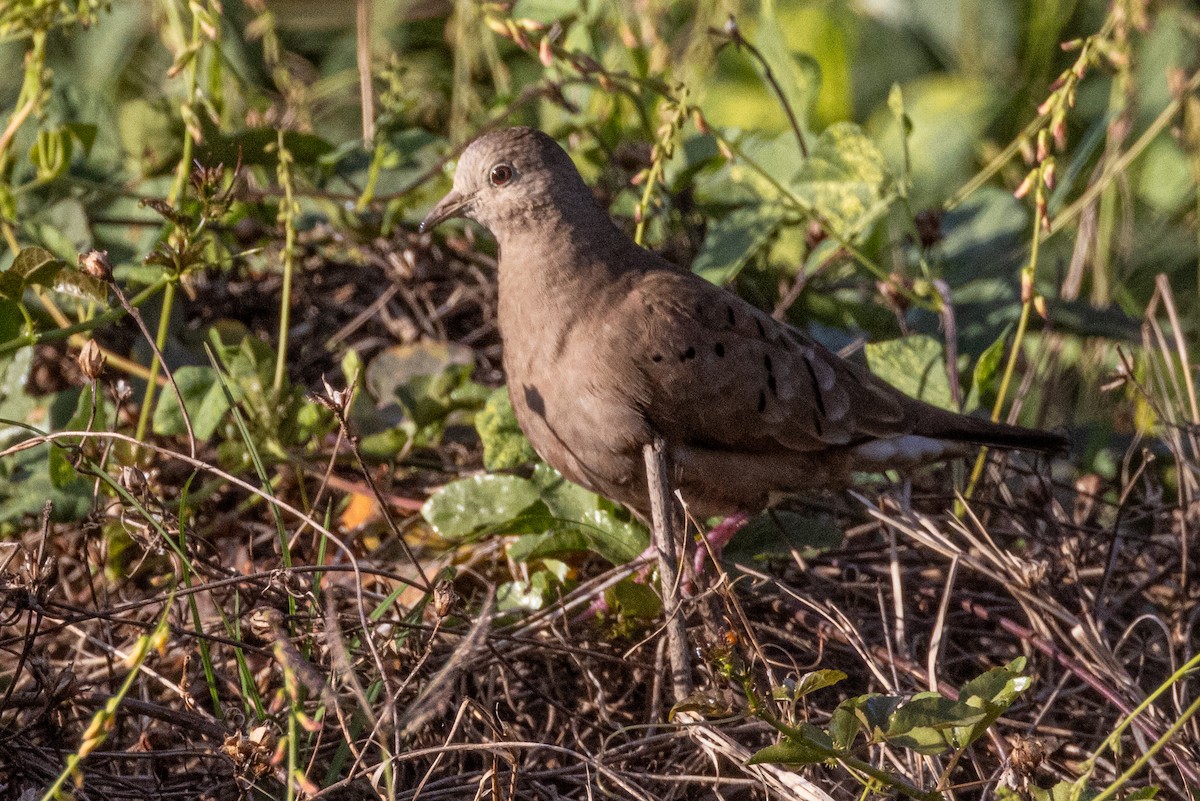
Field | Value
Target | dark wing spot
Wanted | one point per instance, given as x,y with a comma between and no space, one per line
762,332
762,401
767,362
816,388
719,349
658,357
771,385
730,315
535,401
690,353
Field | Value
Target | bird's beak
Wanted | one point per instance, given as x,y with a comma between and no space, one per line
452,205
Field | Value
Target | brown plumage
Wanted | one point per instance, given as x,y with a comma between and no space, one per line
607,345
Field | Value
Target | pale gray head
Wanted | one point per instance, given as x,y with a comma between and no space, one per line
509,178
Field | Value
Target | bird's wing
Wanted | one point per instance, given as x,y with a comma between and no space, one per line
721,373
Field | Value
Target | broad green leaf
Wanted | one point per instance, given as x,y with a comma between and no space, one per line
504,446
915,365
542,587
933,710
36,266
572,507
948,115
475,505
633,599
205,400
844,725
814,748
81,285
845,181
992,693
777,532
734,239
27,487
817,680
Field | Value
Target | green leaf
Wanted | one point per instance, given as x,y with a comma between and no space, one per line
985,371
915,365
844,726
15,403
817,680
1066,791
595,519
933,710
734,239
36,266
845,181
813,748
81,285
991,692
633,599
776,533
475,505
205,400
504,445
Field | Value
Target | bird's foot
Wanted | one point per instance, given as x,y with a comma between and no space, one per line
714,542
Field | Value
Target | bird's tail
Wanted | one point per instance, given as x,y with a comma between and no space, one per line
945,425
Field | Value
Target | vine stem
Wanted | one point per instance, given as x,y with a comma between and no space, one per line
160,341
287,215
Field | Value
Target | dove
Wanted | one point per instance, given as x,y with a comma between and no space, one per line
608,346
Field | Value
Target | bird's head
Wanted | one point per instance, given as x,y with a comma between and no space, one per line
509,178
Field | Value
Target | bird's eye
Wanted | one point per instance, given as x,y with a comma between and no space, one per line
500,175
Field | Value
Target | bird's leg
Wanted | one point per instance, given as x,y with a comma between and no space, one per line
714,542
662,514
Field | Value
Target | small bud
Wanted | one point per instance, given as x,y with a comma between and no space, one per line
1026,287
1039,306
1059,130
1071,46
1026,150
731,27
1048,173
91,360
1026,185
699,121
95,263
518,36
1043,145
497,26
628,38
531,25
545,54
